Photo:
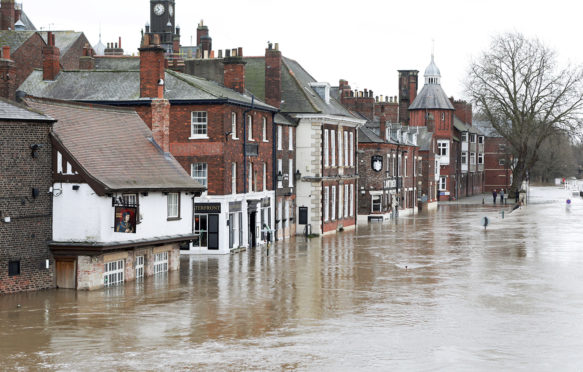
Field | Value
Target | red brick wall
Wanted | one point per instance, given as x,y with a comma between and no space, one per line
28,57
70,60
496,176
273,77
234,74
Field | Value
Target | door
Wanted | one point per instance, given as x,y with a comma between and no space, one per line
252,223
213,231
66,273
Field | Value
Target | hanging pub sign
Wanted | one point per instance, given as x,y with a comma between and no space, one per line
376,162
207,208
125,219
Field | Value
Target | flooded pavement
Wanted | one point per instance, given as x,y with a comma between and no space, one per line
429,292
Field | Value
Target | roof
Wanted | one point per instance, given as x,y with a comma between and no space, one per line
283,119
486,128
432,70
14,39
297,95
124,85
63,39
114,147
431,96
12,111
118,63
27,22
366,135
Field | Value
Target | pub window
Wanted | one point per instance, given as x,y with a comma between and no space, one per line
139,267
234,125
114,272
198,171
199,123
130,199
173,202
160,262
13,268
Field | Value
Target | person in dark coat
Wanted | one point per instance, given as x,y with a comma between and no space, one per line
494,195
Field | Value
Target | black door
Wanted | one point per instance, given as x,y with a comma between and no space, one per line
213,232
252,222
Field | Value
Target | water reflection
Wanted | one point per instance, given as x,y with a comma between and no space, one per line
433,291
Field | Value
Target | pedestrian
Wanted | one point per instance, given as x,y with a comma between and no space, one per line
494,195
516,196
501,196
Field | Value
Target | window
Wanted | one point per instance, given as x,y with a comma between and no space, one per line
472,158
501,162
264,176
340,202
464,157
198,124
443,116
249,127
234,125
340,151
333,212
346,200
326,160
400,166
465,137
501,147
480,139
139,267
279,139
290,173
200,230
13,268
279,173
351,149
264,129
333,146
233,178
130,199
351,199
442,183
198,171
472,138
443,148
437,167
326,203
160,262
173,203
480,158
405,167
114,272
376,203
290,137
346,154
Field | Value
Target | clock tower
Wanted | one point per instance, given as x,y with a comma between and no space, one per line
162,22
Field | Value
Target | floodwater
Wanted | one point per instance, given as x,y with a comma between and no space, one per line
429,292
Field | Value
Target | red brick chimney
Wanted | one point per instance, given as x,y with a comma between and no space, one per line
382,127
7,75
161,123
273,75
86,61
51,58
152,67
234,70
201,31
7,15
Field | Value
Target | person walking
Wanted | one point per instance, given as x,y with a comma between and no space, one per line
501,196
494,195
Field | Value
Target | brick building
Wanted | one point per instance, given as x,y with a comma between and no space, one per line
220,134
25,200
108,163
497,159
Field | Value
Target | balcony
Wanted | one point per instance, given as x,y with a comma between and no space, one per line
251,149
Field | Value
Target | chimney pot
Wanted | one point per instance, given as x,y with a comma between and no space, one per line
119,42
227,53
276,46
240,52
220,53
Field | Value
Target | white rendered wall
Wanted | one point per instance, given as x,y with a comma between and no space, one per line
83,216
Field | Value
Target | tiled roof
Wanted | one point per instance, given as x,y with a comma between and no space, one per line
123,63
115,147
366,135
63,39
283,119
108,85
27,22
14,39
12,111
486,128
431,96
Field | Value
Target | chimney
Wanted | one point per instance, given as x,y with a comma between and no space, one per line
201,31
86,61
234,71
7,75
273,76
383,127
7,16
152,63
161,123
51,58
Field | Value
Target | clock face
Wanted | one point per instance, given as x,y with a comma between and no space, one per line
171,10
158,9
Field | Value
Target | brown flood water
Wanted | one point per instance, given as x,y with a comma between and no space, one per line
428,292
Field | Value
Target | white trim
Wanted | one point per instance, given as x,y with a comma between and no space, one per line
332,119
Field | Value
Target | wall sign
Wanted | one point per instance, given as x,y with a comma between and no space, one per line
265,202
376,163
125,220
235,207
207,208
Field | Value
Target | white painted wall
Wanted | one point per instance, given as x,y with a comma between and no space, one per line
83,216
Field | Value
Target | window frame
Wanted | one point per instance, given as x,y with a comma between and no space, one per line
199,124
234,126
279,138
192,173
442,183
290,138
161,262
264,130
117,273
14,268
480,158
372,203
168,206
250,128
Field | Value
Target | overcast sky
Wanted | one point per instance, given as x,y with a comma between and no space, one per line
364,42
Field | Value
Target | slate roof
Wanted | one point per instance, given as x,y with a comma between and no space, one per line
110,85
115,147
27,22
431,96
123,63
366,135
12,111
14,39
297,95
486,128
64,40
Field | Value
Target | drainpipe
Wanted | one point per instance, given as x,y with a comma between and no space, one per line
245,143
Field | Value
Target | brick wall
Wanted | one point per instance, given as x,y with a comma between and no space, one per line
28,57
25,238
70,60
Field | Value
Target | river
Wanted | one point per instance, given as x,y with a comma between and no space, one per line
434,291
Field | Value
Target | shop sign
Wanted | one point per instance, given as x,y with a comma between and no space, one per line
207,208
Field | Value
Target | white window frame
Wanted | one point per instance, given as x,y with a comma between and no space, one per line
279,171
139,267
113,272
264,178
372,203
340,150
326,203
173,204
351,200
464,158
279,137
250,178
333,204
352,149
472,158
234,126
340,202
472,138
290,173
233,178
346,150
464,136
160,262
200,175
326,150
198,124
250,128
264,129
480,139
405,166
442,183
346,208
333,147
443,148
290,138
480,158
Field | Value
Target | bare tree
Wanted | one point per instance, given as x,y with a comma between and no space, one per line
518,87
